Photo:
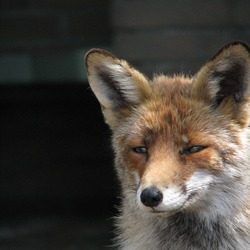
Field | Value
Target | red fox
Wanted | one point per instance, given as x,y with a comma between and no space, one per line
182,151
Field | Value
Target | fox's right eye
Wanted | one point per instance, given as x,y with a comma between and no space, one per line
140,150
192,150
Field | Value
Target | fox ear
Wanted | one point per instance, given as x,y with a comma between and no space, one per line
117,86
224,82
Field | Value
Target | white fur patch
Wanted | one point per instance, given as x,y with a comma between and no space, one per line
137,178
185,139
214,85
200,180
173,199
125,81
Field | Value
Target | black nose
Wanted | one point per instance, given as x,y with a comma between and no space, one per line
151,197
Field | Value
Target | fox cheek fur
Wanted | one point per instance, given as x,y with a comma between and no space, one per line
181,150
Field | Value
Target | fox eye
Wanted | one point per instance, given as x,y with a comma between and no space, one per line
140,150
192,150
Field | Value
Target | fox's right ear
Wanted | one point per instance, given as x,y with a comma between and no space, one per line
117,86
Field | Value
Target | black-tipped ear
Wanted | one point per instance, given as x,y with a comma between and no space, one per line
224,82
115,83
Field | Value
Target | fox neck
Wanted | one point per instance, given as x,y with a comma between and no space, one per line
203,233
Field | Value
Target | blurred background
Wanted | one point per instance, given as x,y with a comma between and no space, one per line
58,189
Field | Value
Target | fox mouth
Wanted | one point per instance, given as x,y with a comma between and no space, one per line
158,211
165,212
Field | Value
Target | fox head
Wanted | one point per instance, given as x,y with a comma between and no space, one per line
181,143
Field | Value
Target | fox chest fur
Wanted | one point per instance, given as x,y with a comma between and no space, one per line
181,151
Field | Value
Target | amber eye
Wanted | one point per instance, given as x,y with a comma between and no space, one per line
192,150
140,150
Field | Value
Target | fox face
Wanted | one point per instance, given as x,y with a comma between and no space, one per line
180,143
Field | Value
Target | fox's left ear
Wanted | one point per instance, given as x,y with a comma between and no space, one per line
224,82
117,85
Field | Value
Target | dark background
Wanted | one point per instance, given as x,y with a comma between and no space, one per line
57,184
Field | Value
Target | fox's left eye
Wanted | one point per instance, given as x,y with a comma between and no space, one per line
192,150
140,150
